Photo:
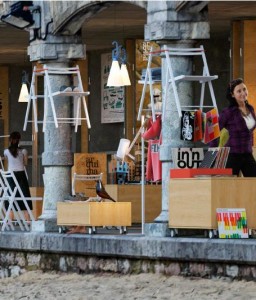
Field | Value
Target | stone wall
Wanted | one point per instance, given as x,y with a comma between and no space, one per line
126,254
14,263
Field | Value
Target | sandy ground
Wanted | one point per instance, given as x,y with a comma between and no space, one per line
56,286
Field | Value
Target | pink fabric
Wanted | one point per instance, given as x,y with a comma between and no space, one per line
153,128
154,165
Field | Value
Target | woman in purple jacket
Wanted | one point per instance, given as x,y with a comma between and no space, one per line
240,121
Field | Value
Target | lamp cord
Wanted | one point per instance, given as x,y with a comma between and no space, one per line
37,36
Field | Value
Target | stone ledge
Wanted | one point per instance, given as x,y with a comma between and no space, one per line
200,257
240,251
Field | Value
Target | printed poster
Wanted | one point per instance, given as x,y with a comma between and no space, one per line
112,98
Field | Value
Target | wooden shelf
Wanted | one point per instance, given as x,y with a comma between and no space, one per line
148,82
195,78
73,94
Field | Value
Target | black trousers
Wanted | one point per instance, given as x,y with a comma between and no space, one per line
242,162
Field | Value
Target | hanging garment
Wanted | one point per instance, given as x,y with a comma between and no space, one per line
153,129
154,165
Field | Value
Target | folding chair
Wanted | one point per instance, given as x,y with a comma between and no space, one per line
9,195
80,177
8,225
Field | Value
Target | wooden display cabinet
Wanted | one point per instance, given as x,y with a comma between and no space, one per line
92,214
132,193
193,201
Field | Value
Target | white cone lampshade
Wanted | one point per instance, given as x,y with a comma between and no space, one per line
115,78
125,75
23,93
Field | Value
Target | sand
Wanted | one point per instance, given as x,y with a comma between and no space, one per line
60,286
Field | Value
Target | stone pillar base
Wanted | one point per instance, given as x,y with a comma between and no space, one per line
47,225
157,229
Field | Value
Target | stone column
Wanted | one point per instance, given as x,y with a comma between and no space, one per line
57,158
174,27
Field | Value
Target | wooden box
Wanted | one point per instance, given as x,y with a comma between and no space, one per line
79,213
193,201
37,204
132,193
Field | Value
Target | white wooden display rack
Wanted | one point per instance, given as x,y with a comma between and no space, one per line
171,79
79,97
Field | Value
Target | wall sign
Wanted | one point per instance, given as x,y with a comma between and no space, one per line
187,157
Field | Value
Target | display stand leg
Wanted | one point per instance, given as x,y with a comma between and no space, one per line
142,179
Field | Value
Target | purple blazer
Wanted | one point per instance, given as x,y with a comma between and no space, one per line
240,137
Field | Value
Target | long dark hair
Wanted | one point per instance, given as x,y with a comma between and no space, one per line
230,90
14,143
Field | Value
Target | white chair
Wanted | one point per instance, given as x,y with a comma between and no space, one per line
80,177
9,195
8,225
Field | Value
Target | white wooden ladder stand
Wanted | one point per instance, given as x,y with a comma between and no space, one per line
8,195
50,95
171,79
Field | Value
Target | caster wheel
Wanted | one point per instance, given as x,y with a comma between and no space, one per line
174,232
123,230
211,234
91,230
62,230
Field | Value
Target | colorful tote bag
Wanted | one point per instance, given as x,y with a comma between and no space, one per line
191,126
187,125
211,126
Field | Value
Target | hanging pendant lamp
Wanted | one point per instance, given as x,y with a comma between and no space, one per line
23,97
115,78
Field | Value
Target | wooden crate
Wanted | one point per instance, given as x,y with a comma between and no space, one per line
78,213
37,204
132,193
193,201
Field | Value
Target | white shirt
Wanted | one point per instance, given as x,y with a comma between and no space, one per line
16,163
249,120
